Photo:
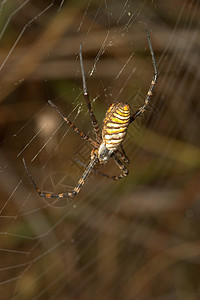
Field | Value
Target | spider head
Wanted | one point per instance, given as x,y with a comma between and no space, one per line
103,153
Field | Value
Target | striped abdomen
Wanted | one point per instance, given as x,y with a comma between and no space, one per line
115,125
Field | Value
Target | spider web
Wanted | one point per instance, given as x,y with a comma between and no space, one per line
115,237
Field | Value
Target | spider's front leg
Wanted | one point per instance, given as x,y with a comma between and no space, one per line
143,108
87,100
73,126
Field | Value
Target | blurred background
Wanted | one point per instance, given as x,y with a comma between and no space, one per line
136,238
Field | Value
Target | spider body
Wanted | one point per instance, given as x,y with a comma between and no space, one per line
107,145
115,125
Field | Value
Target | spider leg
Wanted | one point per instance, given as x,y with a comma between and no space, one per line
142,109
74,127
75,191
87,100
118,162
122,155
124,171
94,170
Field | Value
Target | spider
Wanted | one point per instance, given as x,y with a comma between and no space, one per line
107,145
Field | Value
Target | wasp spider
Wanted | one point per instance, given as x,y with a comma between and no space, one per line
107,145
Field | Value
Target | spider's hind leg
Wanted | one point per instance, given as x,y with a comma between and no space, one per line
123,155
122,167
119,164
69,195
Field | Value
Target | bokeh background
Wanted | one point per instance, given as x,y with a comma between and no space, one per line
137,238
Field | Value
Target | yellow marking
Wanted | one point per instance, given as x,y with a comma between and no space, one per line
110,107
76,189
116,120
117,136
115,130
122,109
60,195
126,107
114,125
114,142
123,113
153,82
81,181
48,195
121,117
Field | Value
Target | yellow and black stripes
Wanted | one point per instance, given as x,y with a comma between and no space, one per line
115,125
